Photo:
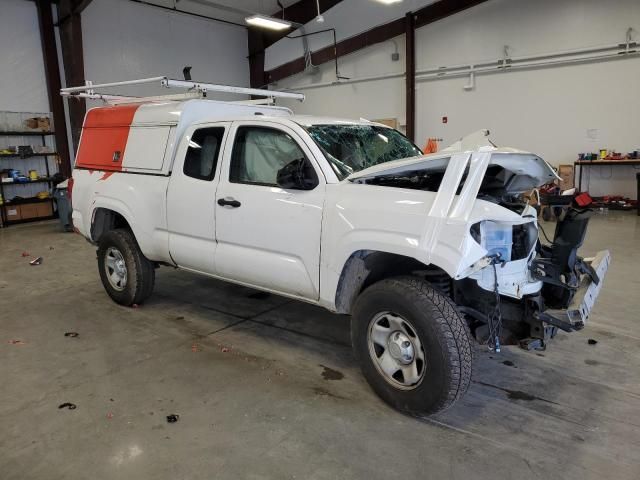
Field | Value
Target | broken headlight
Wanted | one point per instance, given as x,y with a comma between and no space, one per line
511,242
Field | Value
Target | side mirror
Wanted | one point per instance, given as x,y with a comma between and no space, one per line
297,175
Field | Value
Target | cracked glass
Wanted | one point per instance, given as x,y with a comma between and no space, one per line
351,148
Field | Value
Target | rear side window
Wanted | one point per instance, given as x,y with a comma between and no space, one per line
202,154
259,153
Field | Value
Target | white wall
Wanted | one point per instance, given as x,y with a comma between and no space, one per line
547,111
349,18
22,82
376,99
123,40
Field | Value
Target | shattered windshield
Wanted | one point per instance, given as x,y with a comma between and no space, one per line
351,148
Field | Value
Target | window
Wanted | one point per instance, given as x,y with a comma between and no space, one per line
351,148
259,153
202,154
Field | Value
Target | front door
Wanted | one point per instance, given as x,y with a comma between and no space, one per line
191,207
269,236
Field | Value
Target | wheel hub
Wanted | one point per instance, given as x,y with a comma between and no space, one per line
115,268
401,347
396,350
120,268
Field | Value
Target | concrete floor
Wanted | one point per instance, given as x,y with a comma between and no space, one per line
267,387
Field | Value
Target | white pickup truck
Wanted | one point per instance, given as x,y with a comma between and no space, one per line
424,252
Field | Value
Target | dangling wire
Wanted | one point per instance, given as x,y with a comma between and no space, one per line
495,317
544,233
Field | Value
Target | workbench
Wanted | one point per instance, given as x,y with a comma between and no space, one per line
600,163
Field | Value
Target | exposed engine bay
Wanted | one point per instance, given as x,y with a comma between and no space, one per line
496,187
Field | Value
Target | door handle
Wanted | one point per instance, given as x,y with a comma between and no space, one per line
228,202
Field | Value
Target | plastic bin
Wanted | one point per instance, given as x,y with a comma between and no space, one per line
61,197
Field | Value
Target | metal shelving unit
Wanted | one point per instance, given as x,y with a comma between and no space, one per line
17,155
47,179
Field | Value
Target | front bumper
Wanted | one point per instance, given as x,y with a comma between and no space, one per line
575,316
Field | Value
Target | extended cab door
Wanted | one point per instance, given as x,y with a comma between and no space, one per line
191,197
269,236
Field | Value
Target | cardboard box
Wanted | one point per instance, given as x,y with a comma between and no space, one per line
28,210
37,123
389,122
45,209
12,212
44,124
35,210
566,173
30,123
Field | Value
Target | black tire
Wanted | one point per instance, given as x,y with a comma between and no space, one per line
140,272
440,329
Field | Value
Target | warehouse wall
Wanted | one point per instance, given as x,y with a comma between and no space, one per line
123,40
375,99
22,81
547,111
23,87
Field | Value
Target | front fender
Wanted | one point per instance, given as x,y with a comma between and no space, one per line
365,217
398,221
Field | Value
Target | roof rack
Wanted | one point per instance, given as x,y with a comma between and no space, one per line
194,90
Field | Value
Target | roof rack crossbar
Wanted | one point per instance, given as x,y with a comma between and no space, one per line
93,86
205,87
118,99
90,88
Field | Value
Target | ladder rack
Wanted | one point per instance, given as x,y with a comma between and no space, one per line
194,90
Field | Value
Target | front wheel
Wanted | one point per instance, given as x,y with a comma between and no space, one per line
126,274
414,348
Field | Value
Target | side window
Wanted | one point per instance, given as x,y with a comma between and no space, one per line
259,153
202,154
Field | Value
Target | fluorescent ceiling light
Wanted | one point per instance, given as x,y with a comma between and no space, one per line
388,2
268,22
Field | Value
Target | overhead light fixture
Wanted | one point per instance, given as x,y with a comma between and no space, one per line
388,2
268,22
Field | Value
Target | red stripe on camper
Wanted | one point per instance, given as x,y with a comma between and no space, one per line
104,137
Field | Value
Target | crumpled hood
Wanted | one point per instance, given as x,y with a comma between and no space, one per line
523,170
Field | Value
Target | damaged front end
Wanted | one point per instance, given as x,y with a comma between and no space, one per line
482,234
562,286
571,283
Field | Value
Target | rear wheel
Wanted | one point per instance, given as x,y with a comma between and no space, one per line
126,274
413,347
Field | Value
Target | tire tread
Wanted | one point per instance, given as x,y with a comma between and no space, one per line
457,336
145,271
450,328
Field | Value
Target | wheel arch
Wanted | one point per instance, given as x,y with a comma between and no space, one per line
366,267
104,219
